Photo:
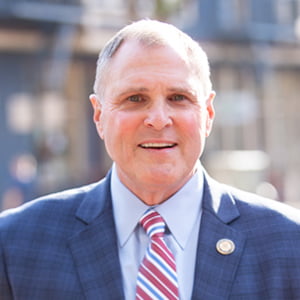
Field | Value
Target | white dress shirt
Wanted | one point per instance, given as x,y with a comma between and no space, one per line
182,214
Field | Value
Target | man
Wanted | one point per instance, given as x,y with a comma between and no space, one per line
153,107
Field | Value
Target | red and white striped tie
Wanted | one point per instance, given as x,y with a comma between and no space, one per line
157,278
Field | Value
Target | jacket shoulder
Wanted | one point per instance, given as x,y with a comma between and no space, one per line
48,208
263,213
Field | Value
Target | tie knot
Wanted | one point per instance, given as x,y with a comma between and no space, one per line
153,223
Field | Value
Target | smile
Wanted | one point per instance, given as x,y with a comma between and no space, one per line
157,145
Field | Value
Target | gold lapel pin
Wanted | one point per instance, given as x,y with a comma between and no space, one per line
225,246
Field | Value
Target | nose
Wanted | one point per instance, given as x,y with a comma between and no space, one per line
158,115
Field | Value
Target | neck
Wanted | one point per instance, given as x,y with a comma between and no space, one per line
154,192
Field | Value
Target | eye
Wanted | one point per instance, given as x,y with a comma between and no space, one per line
177,97
135,98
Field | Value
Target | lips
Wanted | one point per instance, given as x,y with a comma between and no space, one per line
157,145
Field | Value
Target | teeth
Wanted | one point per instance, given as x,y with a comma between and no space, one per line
157,145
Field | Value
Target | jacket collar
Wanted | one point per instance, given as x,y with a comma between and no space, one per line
96,201
94,249
216,199
219,201
214,271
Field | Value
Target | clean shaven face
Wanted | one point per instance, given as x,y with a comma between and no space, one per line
153,116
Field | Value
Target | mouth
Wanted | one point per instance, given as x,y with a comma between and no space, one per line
157,145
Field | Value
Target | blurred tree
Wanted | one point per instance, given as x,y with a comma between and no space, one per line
165,8
162,9
132,10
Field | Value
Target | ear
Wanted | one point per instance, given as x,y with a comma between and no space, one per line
210,112
97,106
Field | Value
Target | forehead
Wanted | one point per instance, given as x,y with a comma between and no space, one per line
136,66
135,55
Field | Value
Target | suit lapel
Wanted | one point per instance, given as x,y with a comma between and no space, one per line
215,272
95,249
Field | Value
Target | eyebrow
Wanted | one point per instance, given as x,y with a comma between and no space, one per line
183,90
133,90
180,90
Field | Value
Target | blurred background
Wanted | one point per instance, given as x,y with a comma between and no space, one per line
48,52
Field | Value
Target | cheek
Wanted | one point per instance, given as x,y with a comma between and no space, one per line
193,134
194,125
119,125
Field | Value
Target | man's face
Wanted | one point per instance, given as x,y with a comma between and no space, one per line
153,117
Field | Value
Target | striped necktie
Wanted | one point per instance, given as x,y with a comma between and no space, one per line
157,278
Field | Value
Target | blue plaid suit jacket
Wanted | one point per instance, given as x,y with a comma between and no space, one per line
64,247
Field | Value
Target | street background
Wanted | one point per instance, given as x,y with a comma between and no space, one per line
48,53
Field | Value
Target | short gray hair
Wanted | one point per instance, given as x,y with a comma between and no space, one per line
154,33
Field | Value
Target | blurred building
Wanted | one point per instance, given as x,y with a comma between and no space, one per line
253,46
48,51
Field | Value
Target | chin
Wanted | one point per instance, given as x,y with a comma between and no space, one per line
162,177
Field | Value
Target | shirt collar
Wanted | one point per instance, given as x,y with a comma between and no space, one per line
185,206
